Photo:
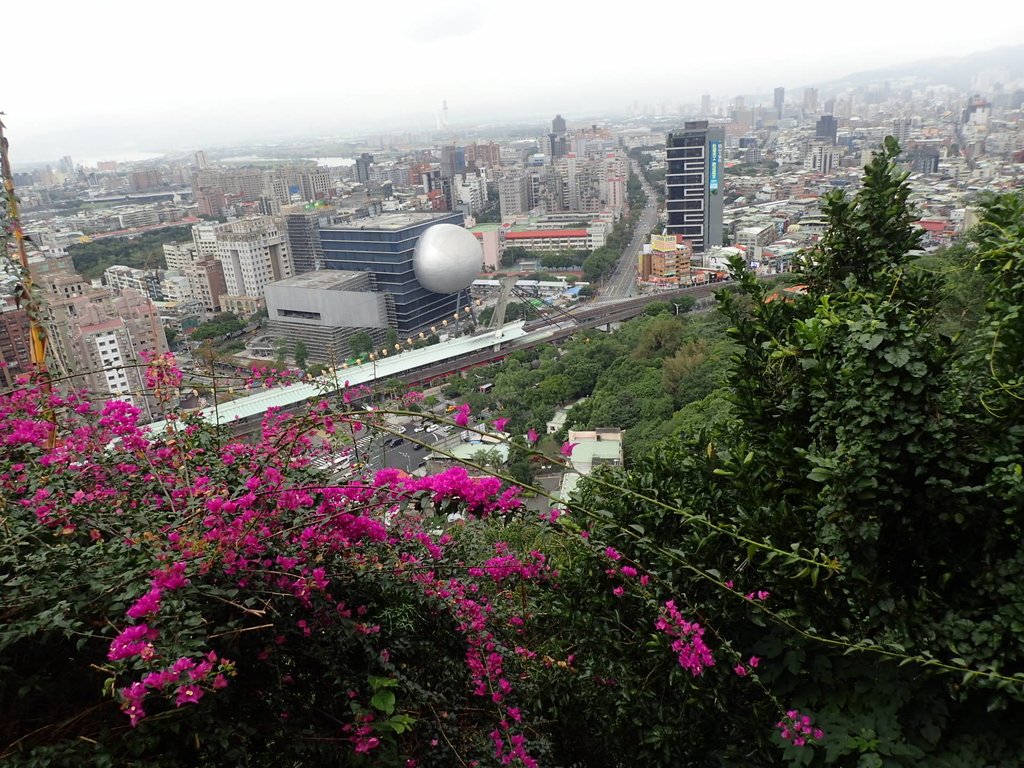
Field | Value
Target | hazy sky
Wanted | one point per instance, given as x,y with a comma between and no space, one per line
108,77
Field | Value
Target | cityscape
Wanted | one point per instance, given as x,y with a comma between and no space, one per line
485,386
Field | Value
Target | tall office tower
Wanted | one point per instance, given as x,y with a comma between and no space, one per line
383,246
692,197
901,130
200,159
558,125
810,99
66,165
302,228
705,104
827,128
780,101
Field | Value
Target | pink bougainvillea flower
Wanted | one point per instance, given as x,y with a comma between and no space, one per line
462,415
567,448
499,424
740,670
532,436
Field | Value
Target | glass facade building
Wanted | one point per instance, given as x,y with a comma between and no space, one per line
383,246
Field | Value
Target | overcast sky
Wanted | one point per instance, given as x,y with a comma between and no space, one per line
108,78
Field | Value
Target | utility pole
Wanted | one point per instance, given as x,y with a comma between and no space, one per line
37,333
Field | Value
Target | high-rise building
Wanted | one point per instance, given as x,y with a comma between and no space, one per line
14,341
513,194
302,228
693,199
206,282
383,246
363,163
705,105
822,157
779,101
901,130
827,128
253,252
810,99
558,125
200,160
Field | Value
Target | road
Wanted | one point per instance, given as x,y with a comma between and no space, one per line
622,283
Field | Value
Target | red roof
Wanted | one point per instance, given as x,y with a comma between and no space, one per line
933,225
536,233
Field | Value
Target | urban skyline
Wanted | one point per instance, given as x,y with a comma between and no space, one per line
185,100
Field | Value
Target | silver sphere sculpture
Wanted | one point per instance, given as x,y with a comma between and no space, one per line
447,258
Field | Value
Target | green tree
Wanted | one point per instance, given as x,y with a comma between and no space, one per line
301,354
513,254
872,463
361,343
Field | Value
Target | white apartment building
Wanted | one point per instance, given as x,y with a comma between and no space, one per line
253,253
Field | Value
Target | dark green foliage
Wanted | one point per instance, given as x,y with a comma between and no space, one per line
866,438
220,325
143,251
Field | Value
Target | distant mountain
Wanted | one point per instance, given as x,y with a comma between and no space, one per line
957,72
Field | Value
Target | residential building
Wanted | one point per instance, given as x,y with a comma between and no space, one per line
822,157
206,283
145,281
693,200
253,252
180,255
15,357
513,194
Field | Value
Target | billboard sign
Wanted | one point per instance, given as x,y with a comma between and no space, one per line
714,151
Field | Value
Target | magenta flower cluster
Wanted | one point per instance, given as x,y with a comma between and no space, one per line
687,639
798,729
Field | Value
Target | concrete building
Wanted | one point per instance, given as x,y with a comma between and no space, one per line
206,283
693,200
253,253
595,447
822,157
827,128
779,101
383,246
146,281
901,127
302,225
513,194
14,341
323,309
179,255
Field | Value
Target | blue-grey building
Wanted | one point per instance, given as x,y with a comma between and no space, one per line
383,246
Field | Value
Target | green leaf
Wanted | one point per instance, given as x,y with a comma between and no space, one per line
820,475
384,701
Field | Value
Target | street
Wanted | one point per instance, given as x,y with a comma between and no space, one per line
622,283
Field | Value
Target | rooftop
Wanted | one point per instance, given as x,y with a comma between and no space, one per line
391,221
323,279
